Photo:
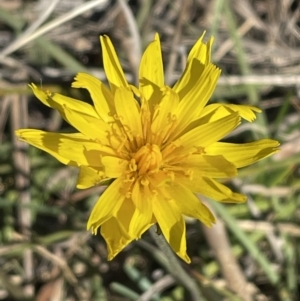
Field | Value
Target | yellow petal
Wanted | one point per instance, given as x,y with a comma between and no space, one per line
107,205
132,221
92,128
70,149
209,133
171,224
58,101
151,72
115,238
246,112
210,166
137,196
212,189
244,154
112,66
116,230
89,177
141,219
162,118
114,167
142,199
100,94
80,115
219,192
127,224
128,113
204,135
140,222
199,55
201,51
142,196
196,96
159,178
164,109
215,112
190,205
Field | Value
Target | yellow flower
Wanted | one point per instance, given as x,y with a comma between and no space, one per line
159,145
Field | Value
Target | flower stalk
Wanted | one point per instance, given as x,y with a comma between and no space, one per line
175,267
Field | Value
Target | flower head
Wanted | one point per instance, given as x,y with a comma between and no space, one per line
160,145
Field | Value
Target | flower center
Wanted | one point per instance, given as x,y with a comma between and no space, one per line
148,158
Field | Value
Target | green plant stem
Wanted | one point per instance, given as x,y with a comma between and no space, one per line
175,267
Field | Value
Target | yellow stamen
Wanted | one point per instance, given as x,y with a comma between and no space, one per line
148,158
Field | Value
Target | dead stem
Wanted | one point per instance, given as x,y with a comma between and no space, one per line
19,119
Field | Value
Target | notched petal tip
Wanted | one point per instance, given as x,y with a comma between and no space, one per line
92,227
210,224
89,226
201,51
113,251
184,257
104,37
23,134
156,37
271,147
272,143
245,111
206,216
113,69
32,86
18,133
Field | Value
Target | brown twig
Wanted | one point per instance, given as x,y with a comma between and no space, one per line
134,49
19,119
60,262
218,241
157,287
183,4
